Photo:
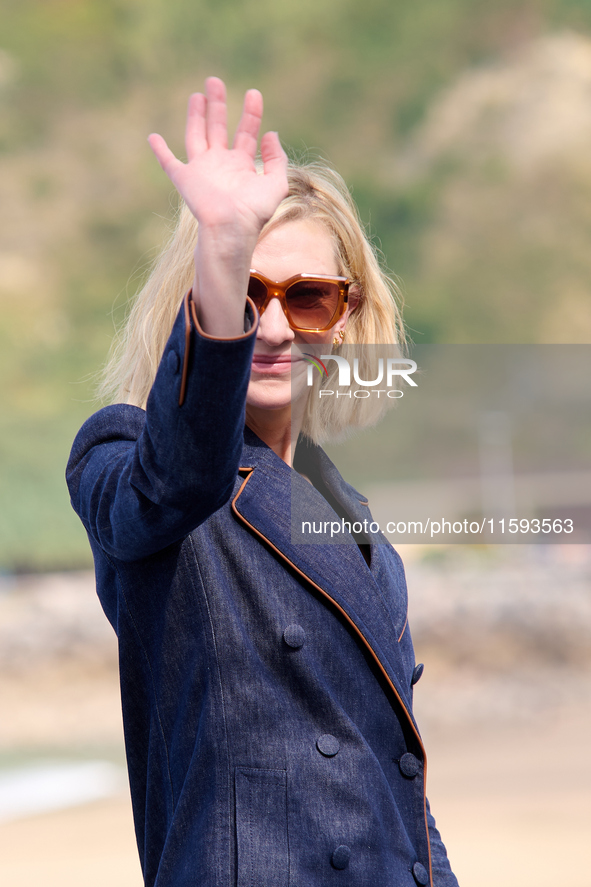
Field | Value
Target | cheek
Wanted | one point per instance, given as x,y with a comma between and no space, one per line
323,338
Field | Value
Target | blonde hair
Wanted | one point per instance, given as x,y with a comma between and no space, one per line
315,192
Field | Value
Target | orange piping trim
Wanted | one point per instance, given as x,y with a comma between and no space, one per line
191,311
357,631
224,338
403,627
187,347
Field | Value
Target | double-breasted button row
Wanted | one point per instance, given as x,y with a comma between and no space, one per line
420,873
327,744
409,765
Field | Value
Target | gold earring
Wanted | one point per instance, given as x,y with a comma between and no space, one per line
339,338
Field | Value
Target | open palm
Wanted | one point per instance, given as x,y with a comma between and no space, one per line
221,185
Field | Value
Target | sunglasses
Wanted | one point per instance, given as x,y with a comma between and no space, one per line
310,302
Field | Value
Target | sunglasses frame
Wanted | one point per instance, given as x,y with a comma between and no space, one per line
278,290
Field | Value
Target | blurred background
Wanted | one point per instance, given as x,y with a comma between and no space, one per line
463,128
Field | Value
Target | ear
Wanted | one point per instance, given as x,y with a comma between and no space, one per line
352,304
354,299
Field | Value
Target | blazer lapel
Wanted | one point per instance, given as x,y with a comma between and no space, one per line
274,501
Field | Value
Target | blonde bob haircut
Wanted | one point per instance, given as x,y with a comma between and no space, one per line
315,192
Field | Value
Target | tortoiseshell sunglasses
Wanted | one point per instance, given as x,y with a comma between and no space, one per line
311,302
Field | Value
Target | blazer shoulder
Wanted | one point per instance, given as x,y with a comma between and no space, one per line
117,422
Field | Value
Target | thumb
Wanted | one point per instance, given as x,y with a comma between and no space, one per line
164,155
273,156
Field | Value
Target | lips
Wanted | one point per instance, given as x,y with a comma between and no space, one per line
272,363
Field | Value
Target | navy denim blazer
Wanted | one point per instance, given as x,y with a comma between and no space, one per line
266,684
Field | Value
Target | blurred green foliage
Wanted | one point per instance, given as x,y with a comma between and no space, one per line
85,205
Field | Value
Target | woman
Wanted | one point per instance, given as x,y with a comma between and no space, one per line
266,685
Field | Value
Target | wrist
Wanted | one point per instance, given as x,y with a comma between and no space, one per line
220,288
230,244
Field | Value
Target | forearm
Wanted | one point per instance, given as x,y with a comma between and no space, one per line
222,267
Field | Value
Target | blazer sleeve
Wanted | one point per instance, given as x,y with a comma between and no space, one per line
142,480
442,873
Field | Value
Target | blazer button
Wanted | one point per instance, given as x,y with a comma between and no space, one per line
417,673
409,765
294,636
173,362
340,857
328,745
421,875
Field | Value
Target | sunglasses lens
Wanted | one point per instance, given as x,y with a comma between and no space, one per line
312,304
257,292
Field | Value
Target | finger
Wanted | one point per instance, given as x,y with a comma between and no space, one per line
247,133
215,121
164,155
195,133
273,156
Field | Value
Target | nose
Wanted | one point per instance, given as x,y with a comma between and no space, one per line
273,326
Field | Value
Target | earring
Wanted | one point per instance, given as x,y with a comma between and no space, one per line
339,338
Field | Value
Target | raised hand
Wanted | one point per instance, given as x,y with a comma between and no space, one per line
229,199
220,185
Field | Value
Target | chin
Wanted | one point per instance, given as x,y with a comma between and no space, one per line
271,395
